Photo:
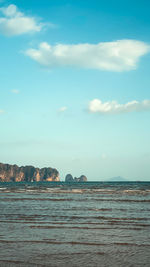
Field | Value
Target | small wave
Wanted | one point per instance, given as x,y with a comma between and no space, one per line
37,199
121,200
67,227
12,262
55,242
3,188
77,189
101,209
18,263
76,200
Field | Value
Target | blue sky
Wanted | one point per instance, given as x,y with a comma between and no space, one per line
75,88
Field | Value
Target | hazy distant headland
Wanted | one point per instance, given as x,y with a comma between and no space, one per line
13,173
117,179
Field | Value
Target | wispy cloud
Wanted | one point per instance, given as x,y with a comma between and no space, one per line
1,111
14,22
62,109
113,107
122,55
15,91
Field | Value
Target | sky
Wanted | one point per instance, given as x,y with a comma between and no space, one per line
75,87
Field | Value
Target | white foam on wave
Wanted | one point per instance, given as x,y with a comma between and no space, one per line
77,191
53,189
136,191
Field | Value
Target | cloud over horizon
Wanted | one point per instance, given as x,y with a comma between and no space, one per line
14,22
121,55
113,107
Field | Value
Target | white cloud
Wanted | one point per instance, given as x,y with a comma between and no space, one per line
1,111
15,91
113,107
103,156
15,22
122,55
62,109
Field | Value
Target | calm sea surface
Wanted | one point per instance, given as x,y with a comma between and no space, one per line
83,224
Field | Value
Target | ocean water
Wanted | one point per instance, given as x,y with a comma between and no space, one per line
80,224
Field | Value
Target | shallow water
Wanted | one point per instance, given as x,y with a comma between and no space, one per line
83,224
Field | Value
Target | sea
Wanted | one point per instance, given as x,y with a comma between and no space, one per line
88,224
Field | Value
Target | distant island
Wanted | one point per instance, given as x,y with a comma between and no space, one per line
13,173
69,178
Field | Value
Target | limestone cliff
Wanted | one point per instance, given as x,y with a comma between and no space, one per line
69,178
13,173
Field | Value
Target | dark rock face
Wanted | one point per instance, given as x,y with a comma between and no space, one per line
83,178
69,178
13,173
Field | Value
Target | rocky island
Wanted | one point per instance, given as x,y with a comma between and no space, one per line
13,173
69,178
